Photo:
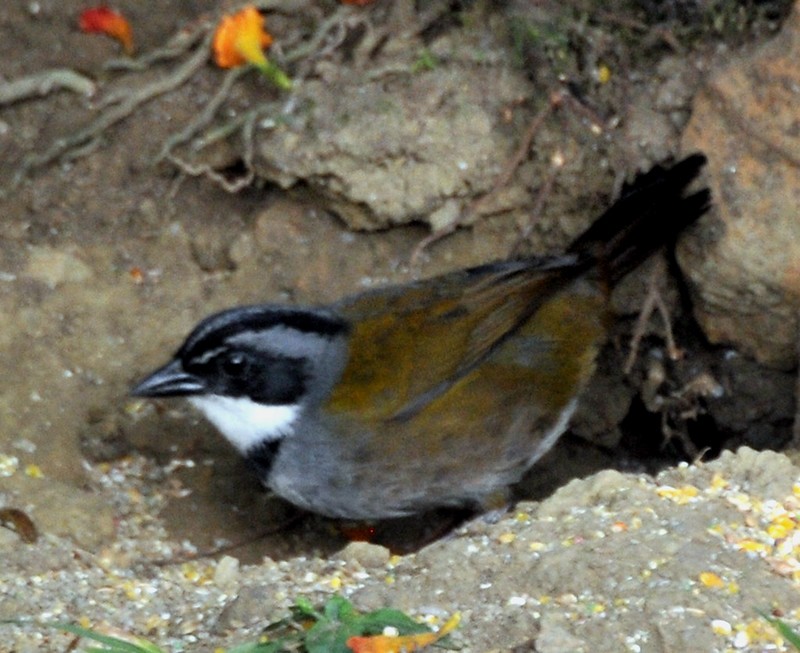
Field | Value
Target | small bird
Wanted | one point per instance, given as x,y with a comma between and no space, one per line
434,393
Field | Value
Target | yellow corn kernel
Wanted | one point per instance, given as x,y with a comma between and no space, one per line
33,471
710,579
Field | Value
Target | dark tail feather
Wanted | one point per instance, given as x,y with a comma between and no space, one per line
650,212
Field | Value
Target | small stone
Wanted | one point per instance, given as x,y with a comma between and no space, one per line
250,605
241,248
226,575
55,267
445,216
367,555
721,627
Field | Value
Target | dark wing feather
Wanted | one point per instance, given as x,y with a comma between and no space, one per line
415,342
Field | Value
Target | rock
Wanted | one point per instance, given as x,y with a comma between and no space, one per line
743,259
603,406
385,154
555,636
54,267
226,574
763,473
249,606
367,555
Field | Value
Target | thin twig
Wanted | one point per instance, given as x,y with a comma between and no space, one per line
557,162
652,32
523,149
653,301
673,351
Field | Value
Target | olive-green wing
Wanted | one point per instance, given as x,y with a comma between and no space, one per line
409,344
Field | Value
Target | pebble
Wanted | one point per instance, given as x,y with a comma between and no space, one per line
226,575
369,556
55,267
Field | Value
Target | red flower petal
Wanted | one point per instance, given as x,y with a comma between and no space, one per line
107,21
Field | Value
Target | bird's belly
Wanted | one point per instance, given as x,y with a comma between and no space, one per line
398,472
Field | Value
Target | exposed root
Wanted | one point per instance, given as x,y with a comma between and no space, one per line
114,114
327,37
115,107
178,45
247,124
45,82
204,117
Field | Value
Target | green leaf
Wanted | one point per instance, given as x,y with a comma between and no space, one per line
111,644
426,60
784,629
328,637
339,621
339,608
374,622
306,609
307,630
278,646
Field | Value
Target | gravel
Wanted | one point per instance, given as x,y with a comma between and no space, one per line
613,562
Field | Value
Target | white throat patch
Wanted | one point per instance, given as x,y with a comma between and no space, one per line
244,422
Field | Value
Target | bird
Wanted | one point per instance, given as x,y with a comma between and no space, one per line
436,393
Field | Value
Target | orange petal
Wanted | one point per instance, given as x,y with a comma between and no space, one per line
107,21
402,643
390,644
240,39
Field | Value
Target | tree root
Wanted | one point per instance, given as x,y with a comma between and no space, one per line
191,43
73,145
47,81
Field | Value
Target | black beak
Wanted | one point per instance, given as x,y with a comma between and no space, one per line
169,381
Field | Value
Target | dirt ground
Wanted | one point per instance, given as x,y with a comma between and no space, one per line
110,250
109,257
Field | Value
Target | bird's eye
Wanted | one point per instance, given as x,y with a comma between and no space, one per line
236,364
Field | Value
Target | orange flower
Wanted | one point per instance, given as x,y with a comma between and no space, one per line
241,39
107,21
400,643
